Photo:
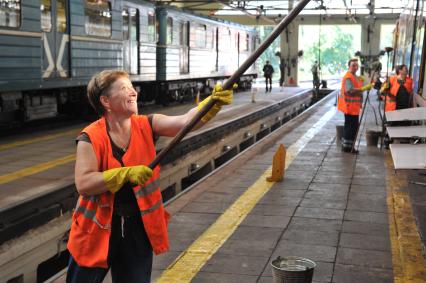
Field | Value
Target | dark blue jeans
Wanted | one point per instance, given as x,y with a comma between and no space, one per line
129,256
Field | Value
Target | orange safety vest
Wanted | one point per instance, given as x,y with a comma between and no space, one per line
91,226
393,91
349,104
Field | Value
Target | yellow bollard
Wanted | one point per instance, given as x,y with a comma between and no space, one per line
278,165
197,98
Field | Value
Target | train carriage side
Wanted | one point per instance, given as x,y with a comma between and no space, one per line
247,45
20,53
50,50
96,38
139,46
191,55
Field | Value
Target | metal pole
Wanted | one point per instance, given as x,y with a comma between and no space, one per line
362,115
388,50
229,82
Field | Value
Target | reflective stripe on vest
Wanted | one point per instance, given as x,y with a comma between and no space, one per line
91,214
152,208
148,189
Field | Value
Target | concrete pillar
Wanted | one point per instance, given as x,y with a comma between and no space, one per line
289,49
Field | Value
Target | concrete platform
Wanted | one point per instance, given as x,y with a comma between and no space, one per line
341,210
354,215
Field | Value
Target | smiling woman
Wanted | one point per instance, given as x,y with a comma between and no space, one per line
120,219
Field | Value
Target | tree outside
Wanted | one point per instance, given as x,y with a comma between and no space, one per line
332,47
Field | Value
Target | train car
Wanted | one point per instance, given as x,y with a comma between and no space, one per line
409,46
195,52
49,50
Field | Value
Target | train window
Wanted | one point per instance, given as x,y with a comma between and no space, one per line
125,15
61,19
200,36
183,30
134,20
98,17
46,15
151,26
10,13
169,38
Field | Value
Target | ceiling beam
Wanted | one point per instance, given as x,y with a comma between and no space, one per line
245,11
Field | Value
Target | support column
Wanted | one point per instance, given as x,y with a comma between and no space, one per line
289,50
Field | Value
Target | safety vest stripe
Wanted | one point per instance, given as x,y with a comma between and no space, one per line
144,191
353,95
152,208
94,198
347,100
91,214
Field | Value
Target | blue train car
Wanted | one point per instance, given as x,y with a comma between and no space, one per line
49,50
195,52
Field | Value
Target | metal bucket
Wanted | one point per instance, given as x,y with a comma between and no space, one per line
292,269
372,137
339,133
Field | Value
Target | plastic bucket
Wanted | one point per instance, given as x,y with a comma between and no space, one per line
292,269
372,137
339,133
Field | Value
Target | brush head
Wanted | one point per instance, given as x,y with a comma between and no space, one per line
388,49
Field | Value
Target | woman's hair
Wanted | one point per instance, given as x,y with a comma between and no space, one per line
398,68
99,85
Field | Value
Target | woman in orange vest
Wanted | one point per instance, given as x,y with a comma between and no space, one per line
349,102
399,90
120,219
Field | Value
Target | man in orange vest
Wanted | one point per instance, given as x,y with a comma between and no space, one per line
120,219
349,102
399,90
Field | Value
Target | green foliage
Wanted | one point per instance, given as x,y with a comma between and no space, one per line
337,47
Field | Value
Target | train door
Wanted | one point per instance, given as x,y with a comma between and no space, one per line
55,32
131,40
184,48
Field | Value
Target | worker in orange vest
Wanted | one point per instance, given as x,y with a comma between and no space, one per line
399,90
120,220
350,102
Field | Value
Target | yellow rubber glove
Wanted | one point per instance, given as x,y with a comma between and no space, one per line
385,87
222,97
361,78
367,87
115,178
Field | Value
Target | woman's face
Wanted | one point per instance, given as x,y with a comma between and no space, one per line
403,71
122,97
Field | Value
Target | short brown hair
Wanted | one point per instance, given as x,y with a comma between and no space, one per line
398,68
352,60
99,85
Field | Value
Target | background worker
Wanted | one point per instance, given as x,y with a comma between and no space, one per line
268,70
315,75
120,219
399,90
350,102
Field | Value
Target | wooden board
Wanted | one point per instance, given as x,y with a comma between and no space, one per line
410,114
408,156
407,132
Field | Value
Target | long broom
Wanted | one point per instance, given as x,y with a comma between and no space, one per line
229,83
